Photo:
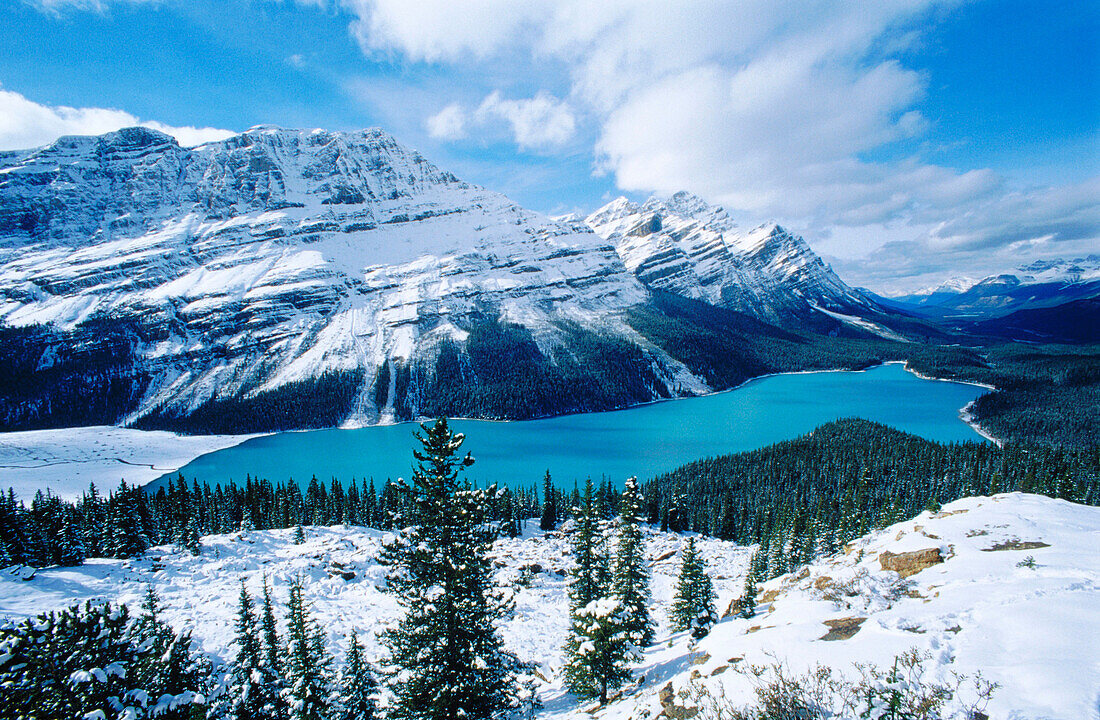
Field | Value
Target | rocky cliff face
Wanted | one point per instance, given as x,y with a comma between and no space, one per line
286,278
685,246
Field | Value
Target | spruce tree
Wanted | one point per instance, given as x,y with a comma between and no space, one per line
549,519
746,604
190,539
358,687
693,604
599,650
631,576
307,692
299,535
446,660
599,645
70,542
270,632
589,576
246,689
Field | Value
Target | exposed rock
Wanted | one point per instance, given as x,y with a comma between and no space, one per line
843,628
910,563
1016,545
769,595
663,556
700,658
938,515
666,695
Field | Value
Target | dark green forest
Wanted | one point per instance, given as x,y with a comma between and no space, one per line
811,495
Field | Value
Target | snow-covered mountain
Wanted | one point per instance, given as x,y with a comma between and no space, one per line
1041,284
685,246
954,584
277,256
320,278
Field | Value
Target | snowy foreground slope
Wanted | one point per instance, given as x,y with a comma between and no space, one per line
1033,630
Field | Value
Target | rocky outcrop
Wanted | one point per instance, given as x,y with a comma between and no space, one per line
910,563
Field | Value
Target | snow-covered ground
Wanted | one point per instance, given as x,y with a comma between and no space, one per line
1033,630
64,461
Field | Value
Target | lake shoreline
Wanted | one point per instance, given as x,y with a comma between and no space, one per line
149,456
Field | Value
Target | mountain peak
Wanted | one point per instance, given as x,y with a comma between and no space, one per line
682,244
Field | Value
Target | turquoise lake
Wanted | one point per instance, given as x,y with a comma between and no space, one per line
643,441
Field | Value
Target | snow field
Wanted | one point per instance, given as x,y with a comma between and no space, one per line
66,460
1033,630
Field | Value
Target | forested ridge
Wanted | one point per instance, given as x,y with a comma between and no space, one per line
811,495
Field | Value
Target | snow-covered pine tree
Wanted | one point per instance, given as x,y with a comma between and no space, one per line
246,698
589,576
270,657
70,542
746,604
549,519
95,661
270,631
599,646
446,660
358,686
299,535
190,539
693,603
308,689
599,650
631,575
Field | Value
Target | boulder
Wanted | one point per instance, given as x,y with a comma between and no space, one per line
842,628
910,563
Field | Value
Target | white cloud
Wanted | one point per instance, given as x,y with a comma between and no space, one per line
27,124
448,124
99,6
775,108
539,123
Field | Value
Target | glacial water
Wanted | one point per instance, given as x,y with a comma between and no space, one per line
642,441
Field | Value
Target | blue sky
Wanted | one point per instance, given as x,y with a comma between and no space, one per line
908,140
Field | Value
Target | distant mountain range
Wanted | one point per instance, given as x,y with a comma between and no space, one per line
1041,284
289,278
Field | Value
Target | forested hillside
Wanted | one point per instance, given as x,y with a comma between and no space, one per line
810,496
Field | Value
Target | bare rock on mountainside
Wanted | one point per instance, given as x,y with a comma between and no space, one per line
910,563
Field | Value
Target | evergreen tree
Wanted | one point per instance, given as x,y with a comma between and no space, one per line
693,603
599,643
70,542
599,649
631,576
446,657
299,535
150,604
247,699
190,539
358,687
549,519
746,604
590,575
270,633
95,661
307,692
